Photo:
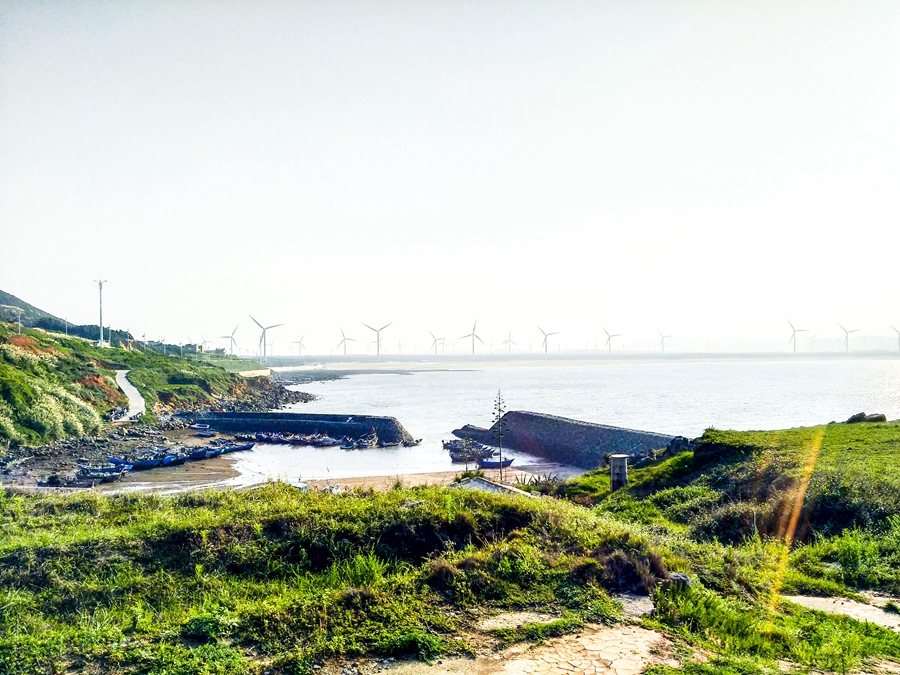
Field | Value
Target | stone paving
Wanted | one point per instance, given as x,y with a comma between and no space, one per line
623,650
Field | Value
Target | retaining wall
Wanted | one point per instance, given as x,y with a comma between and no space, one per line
567,441
336,426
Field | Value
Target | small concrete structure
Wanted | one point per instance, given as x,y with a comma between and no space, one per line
487,485
618,472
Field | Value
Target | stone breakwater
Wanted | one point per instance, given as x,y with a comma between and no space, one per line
581,444
388,429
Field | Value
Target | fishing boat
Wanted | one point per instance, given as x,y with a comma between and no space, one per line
413,443
206,433
235,447
327,442
244,437
388,444
206,453
137,464
83,469
493,463
200,427
470,456
348,444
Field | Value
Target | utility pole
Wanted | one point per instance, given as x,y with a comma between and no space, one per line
100,283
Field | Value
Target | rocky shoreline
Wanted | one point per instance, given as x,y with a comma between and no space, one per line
23,464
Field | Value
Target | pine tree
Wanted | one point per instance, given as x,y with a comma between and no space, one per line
500,425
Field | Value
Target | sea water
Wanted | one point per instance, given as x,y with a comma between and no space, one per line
672,397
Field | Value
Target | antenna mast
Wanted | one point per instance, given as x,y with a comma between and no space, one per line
100,283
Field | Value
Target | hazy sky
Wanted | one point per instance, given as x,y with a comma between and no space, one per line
706,168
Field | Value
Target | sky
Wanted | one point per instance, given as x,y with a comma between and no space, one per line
710,170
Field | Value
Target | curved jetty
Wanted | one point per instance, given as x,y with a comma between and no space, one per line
582,444
388,429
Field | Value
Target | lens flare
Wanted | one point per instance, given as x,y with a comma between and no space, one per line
788,526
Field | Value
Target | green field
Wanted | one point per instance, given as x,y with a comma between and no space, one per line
275,580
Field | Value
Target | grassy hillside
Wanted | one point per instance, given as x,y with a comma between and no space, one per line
832,492
275,581
52,386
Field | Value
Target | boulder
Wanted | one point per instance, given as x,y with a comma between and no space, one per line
876,417
854,419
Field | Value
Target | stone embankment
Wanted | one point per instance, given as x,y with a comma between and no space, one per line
567,441
388,429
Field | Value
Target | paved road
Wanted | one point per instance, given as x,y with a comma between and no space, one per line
136,403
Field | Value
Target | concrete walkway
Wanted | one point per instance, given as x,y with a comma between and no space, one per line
136,403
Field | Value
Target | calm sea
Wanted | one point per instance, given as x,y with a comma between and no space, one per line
679,397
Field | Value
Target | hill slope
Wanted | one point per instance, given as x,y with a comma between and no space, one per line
53,386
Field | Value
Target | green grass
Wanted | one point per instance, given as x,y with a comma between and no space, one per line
277,580
229,578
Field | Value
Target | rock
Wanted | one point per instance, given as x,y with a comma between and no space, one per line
854,419
876,417
678,581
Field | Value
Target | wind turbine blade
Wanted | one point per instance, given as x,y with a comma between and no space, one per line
255,321
235,330
556,333
542,330
791,325
275,326
842,328
385,326
369,327
479,339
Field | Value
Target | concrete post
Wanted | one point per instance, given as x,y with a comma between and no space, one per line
618,472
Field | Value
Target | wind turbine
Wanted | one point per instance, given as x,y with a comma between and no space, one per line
300,345
898,338
262,338
546,336
377,332
508,343
473,336
609,337
400,347
204,343
794,332
435,341
344,341
662,340
812,341
847,338
230,338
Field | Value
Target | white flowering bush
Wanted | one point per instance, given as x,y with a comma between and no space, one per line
7,428
57,413
24,358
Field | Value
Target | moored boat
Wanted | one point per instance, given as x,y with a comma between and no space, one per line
493,463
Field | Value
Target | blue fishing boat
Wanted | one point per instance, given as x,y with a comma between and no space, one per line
137,464
327,442
493,463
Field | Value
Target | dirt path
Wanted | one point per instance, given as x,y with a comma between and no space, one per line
619,650
856,610
136,403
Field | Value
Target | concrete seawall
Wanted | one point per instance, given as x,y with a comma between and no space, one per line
582,444
336,426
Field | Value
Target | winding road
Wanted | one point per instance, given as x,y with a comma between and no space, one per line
136,403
